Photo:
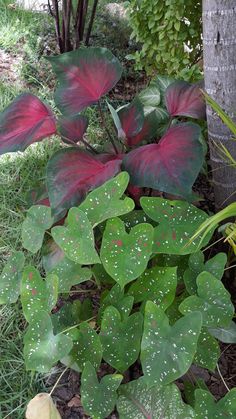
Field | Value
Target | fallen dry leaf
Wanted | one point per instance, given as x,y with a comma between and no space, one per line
42,407
74,402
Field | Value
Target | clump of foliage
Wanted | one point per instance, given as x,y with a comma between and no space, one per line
164,29
134,291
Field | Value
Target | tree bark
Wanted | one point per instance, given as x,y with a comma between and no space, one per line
219,48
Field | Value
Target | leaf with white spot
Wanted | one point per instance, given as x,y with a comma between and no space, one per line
225,334
101,276
178,221
213,301
42,349
138,401
206,407
86,348
10,278
120,338
125,256
98,398
77,239
180,261
155,284
67,317
37,222
167,352
196,265
208,351
106,201
37,294
116,298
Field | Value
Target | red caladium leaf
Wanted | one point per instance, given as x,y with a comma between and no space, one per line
185,99
73,128
25,121
132,118
148,131
71,173
170,166
84,75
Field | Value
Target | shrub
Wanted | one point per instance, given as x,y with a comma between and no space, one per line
169,32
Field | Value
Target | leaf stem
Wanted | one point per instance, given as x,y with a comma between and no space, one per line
59,378
222,378
89,146
105,127
76,325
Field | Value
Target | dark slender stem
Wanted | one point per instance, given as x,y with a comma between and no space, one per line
77,23
105,127
56,17
89,146
92,17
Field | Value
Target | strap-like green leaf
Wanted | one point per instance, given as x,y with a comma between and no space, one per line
137,401
106,201
167,352
38,220
119,349
125,256
10,278
76,239
37,294
213,301
42,349
98,399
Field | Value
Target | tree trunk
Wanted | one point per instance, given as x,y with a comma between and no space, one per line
219,46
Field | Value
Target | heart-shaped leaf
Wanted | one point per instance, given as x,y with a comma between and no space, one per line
178,221
42,349
148,132
213,301
161,83
170,166
42,407
167,352
10,278
150,96
155,284
185,99
137,401
116,298
76,239
206,407
84,76
125,256
66,317
132,118
25,121
71,173
225,334
37,222
73,128
86,348
98,398
69,274
119,349
106,201
37,294
208,351
196,265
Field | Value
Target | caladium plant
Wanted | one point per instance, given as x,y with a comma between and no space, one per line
131,301
151,138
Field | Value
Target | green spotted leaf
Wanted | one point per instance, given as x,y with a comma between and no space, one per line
206,407
178,221
213,301
98,398
196,265
106,201
69,274
101,276
136,217
37,294
167,352
76,239
125,256
208,351
42,349
120,338
155,284
180,261
86,348
66,317
10,278
137,401
116,298
37,222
